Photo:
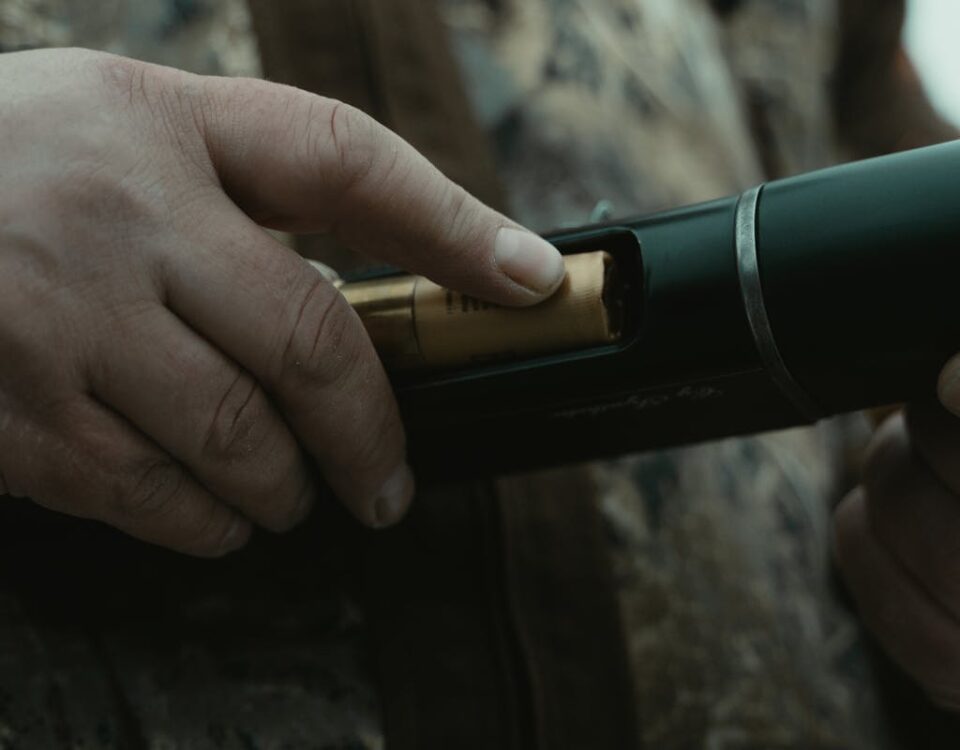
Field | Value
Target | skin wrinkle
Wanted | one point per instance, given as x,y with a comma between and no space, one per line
354,178
120,74
97,455
292,360
223,439
195,97
154,492
280,219
345,121
166,102
335,139
172,99
216,140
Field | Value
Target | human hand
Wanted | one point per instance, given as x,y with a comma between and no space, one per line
898,540
166,366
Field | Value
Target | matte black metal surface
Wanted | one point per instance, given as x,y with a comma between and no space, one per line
857,266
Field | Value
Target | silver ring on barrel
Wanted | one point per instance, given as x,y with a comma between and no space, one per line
748,268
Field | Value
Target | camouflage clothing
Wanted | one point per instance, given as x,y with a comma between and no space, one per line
211,37
720,551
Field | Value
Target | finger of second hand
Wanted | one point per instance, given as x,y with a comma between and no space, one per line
913,513
915,630
935,434
208,413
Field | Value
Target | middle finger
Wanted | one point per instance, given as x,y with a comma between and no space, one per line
208,413
913,513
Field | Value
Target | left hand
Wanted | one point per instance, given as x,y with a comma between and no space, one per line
898,540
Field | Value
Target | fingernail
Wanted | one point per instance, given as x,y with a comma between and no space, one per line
949,389
237,535
395,497
529,260
305,502
328,273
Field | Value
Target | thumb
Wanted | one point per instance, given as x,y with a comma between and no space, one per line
303,163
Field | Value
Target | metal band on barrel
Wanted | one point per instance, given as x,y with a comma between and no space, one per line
749,271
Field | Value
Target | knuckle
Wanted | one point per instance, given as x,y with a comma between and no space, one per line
458,223
239,424
132,82
459,212
322,346
122,76
349,136
173,101
155,490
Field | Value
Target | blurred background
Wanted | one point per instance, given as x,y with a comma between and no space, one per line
931,37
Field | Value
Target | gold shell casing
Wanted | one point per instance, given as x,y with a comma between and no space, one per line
416,324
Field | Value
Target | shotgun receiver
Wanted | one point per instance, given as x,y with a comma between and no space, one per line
797,300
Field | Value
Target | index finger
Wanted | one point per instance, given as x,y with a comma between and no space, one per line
295,161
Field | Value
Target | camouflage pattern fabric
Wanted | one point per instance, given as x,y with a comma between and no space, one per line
211,37
720,551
